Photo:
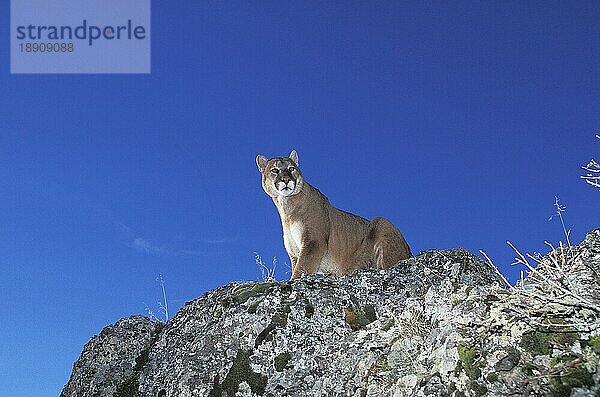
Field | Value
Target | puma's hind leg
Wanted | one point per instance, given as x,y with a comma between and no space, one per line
389,246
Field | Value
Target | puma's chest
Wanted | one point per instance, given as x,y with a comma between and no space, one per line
292,237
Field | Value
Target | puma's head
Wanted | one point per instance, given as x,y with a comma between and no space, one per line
281,176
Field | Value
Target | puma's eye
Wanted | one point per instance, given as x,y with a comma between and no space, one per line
291,169
275,170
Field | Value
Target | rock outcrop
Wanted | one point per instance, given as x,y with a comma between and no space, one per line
440,324
111,362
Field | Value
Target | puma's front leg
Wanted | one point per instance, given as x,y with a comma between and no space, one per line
309,260
294,261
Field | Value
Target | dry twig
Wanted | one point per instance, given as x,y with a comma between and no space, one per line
593,172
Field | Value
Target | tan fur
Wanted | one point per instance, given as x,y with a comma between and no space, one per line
319,237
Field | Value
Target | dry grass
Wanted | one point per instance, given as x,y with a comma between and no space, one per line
267,273
548,289
593,172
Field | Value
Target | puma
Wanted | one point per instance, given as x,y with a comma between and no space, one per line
319,237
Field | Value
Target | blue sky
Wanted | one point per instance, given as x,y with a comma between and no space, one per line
459,122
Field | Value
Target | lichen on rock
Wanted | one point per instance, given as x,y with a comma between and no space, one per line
111,362
438,324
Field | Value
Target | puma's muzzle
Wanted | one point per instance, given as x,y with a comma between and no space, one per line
286,188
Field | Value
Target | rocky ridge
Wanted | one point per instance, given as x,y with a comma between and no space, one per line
440,324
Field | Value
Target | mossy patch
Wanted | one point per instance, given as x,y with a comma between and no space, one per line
369,312
142,360
528,369
279,320
468,356
560,333
536,343
130,380
242,293
128,384
377,369
381,365
566,338
239,372
478,388
492,377
253,307
281,360
594,343
540,342
309,309
569,378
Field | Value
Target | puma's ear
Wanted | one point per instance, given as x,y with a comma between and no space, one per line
261,162
294,157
